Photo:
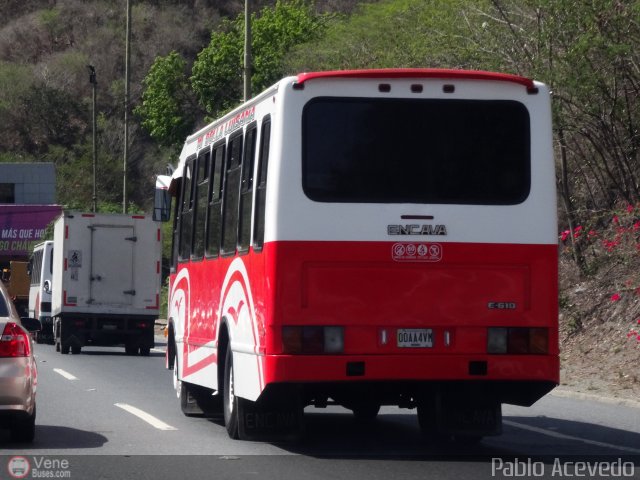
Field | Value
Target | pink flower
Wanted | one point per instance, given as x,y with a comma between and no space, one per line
576,231
636,226
565,235
615,297
629,208
616,220
593,233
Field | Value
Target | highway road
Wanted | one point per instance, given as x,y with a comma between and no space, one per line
102,414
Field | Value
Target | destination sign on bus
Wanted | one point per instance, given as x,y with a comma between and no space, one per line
219,131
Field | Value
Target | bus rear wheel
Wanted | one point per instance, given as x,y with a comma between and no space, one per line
231,403
366,411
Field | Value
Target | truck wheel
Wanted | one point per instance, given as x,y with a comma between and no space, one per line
230,402
76,349
64,349
145,351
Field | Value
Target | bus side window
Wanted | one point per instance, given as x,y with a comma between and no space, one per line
214,215
186,214
261,188
200,203
246,189
231,195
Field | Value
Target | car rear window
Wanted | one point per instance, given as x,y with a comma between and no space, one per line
4,308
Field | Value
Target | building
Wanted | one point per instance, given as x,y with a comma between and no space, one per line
27,206
27,183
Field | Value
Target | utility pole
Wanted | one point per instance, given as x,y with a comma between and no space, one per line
94,84
247,51
127,62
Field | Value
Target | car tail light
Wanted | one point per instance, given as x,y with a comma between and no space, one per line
518,341
14,341
312,340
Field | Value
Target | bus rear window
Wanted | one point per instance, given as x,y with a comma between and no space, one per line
469,152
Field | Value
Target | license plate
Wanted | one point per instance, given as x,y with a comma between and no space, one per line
415,337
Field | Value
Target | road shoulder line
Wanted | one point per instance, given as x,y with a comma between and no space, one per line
562,392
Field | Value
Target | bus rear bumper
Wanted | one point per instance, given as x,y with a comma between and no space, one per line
519,380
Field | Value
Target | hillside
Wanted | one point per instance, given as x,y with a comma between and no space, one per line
600,311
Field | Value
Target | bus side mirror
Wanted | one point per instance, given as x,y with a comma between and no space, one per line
162,199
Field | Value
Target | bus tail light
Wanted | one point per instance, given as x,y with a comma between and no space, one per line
518,341
312,340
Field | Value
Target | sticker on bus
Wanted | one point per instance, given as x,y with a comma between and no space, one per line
416,252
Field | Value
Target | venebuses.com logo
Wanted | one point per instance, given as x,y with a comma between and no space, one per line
18,467
38,467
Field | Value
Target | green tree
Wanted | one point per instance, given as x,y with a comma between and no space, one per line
393,34
167,109
217,73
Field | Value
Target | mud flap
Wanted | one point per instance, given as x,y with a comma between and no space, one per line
276,416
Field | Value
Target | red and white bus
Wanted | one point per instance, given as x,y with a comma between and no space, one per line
367,238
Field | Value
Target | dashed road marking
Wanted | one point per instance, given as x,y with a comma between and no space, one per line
158,350
65,374
150,419
563,436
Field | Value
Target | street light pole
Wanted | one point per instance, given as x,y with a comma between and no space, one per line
247,51
127,62
94,84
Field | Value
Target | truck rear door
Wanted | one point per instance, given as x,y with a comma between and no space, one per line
111,280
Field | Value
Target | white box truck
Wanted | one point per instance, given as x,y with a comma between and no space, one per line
106,281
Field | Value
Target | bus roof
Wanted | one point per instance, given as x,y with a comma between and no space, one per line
418,73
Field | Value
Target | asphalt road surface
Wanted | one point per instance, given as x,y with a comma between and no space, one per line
102,414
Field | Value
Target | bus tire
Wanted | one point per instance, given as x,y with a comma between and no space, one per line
428,412
181,390
231,403
366,412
